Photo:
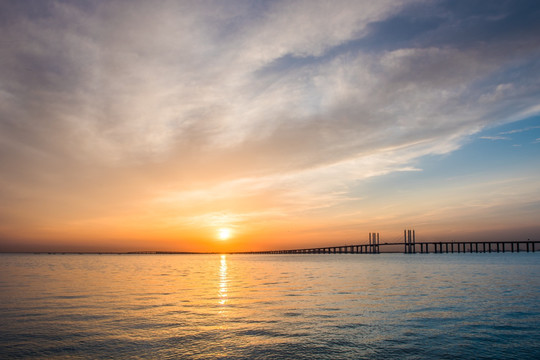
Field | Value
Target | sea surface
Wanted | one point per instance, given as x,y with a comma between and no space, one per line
387,306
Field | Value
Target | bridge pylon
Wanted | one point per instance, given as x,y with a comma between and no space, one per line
409,242
374,241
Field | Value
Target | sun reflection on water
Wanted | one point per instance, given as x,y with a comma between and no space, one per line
222,293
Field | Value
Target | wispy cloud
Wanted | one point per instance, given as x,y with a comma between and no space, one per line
494,138
515,131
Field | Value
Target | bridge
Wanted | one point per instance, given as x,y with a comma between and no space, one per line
410,246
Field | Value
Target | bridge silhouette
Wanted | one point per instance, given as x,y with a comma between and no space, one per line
410,246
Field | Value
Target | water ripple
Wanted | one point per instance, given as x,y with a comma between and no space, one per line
243,307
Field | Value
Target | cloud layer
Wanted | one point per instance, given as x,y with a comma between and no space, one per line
176,113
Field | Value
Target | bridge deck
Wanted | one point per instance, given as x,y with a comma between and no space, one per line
437,247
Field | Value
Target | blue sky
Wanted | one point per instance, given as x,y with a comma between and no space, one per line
137,125
489,163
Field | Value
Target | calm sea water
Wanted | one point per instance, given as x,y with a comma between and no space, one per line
384,306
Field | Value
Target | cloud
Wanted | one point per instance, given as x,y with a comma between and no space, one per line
494,138
520,130
128,101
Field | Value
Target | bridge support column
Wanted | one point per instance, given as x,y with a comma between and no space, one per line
405,249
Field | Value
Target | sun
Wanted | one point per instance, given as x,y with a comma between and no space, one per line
224,234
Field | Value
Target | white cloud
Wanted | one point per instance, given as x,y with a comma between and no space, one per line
494,138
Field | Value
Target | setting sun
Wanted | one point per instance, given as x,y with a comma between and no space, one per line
224,233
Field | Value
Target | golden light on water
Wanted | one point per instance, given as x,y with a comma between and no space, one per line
222,293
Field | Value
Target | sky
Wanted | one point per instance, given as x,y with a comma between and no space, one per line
255,125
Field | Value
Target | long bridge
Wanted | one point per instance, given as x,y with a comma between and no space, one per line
410,246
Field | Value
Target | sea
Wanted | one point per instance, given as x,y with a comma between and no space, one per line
235,306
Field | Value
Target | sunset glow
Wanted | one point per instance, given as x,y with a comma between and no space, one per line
214,126
224,233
